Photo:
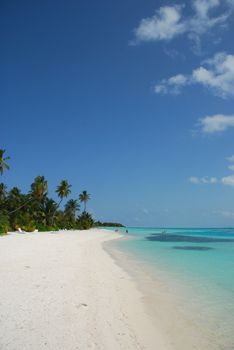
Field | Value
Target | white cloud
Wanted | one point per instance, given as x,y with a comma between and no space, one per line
194,180
219,76
173,85
211,180
168,21
202,21
164,25
228,180
203,180
206,180
202,7
161,88
178,79
216,74
216,123
230,159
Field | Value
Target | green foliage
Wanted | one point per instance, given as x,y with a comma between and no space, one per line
84,197
49,210
71,207
85,221
3,166
25,222
29,227
3,192
45,228
63,189
4,224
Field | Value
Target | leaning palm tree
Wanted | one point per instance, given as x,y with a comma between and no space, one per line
63,190
15,198
84,197
38,192
3,166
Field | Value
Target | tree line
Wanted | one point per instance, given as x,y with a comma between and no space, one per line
36,210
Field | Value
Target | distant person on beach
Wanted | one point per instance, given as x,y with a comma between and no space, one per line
126,231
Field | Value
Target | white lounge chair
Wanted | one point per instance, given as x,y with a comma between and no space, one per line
21,231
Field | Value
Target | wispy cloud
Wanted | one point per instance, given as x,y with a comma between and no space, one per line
169,22
225,180
216,74
172,85
202,22
216,123
228,180
225,213
203,180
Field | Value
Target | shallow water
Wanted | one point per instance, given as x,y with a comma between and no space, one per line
201,263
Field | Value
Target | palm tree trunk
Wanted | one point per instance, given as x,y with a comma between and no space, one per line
13,211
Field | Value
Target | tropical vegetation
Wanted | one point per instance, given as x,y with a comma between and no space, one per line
3,165
35,210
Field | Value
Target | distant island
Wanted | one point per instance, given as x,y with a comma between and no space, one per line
108,224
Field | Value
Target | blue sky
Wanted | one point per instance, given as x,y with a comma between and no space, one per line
130,100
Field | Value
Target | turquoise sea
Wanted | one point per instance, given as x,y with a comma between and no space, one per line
198,264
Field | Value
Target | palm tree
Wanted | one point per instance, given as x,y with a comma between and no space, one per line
38,195
39,188
49,209
71,207
85,221
15,197
63,190
3,165
84,197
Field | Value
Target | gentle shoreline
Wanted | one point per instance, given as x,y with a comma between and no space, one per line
164,302
187,295
63,291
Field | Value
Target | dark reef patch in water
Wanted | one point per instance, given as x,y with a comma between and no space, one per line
192,248
158,237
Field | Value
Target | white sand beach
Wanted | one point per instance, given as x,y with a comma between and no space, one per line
64,291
